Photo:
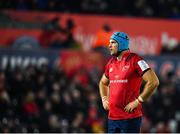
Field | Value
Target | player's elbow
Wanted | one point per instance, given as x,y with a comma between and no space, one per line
155,83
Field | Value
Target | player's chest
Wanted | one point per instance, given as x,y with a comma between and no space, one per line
121,70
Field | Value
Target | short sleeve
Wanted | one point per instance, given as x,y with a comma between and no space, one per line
140,65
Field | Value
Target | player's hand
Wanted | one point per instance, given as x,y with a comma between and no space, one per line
105,102
131,106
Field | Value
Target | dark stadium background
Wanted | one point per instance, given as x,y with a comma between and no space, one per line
53,52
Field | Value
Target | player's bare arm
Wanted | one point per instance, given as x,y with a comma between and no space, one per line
151,85
152,82
103,89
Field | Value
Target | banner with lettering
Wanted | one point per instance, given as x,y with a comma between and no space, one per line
74,61
146,35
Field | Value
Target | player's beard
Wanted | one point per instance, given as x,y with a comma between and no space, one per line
116,54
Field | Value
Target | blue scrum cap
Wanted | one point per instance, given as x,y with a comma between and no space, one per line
122,40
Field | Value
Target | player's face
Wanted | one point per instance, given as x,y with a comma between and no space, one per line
113,47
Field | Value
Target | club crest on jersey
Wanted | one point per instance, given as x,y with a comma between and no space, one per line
126,67
111,69
116,76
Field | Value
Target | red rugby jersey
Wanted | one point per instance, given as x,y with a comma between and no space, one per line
125,78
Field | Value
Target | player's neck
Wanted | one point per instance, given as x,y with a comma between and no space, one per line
119,57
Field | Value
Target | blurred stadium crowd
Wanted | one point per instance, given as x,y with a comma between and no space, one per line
40,99
142,8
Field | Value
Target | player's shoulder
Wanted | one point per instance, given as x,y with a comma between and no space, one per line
111,60
133,56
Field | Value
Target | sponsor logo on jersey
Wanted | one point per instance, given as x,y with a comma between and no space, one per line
119,81
126,67
116,76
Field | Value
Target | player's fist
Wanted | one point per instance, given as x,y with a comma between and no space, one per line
105,102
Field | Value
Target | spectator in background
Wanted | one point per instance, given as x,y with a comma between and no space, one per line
120,86
52,33
170,45
70,41
56,37
102,39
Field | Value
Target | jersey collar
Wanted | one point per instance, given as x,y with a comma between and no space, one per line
125,55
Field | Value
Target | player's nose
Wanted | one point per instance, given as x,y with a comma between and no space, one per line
110,45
